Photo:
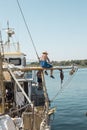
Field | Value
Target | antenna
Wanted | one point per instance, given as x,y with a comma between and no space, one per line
10,32
1,76
1,45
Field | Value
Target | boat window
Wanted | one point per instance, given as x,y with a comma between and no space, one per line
28,74
15,61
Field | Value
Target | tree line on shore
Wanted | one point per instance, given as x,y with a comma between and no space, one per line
79,63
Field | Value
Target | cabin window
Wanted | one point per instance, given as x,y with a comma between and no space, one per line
28,74
15,61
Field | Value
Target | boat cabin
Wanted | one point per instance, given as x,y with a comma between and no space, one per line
16,58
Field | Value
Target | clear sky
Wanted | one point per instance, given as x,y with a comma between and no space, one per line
57,26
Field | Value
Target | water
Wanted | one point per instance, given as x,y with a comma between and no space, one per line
71,102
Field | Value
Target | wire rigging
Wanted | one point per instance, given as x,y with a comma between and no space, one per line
61,73
27,28
63,86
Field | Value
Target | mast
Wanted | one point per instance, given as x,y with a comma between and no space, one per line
2,88
9,32
45,121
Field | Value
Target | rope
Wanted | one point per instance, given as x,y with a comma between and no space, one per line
18,109
27,29
63,86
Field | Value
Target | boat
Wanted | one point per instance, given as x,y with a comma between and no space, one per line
24,100
24,103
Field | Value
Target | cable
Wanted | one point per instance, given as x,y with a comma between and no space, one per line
62,86
27,29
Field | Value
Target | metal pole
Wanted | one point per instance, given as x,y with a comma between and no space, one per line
20,87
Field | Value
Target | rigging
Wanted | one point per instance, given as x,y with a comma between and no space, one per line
61,72
27,28
63,86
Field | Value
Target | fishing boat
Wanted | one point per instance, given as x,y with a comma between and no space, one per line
20,97
24,103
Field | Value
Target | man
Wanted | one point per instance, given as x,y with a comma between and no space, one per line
39,80
45,63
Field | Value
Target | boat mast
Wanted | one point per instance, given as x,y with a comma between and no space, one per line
9,32
2,88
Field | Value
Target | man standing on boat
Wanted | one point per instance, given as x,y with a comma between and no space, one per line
45,63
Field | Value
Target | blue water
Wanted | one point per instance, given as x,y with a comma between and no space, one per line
71,101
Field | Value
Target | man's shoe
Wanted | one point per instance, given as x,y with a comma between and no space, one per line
46,72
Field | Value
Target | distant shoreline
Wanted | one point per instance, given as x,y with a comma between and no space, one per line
79,63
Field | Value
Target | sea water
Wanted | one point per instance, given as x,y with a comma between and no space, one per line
70,100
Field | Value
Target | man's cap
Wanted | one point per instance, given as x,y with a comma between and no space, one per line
44,52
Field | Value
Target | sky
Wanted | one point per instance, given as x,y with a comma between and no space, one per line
56,26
